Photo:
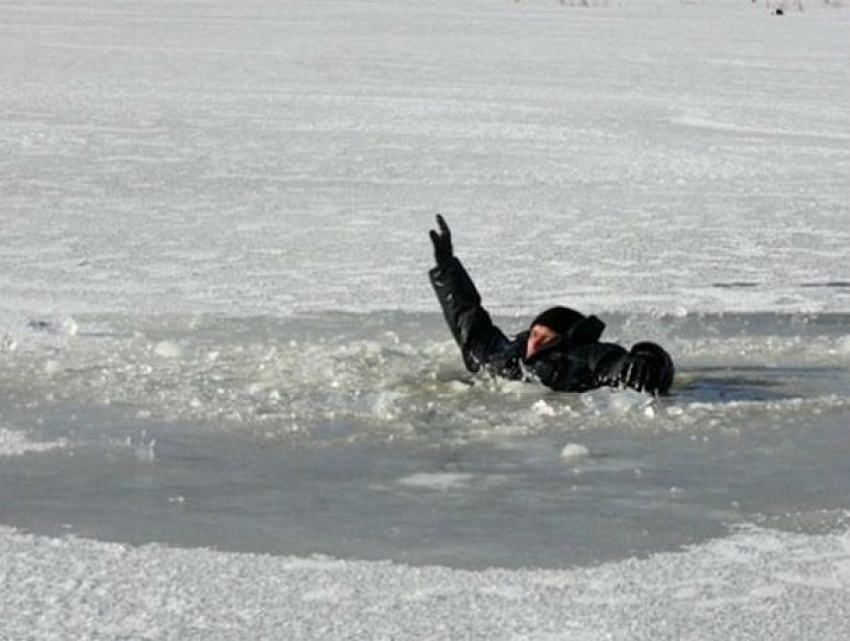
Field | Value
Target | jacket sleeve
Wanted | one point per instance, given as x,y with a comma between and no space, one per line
580,368
646,368
470,324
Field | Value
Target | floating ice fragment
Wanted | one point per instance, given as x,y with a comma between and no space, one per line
458,386
542,408
69,326
616,400
574,451
51,367
167,349
256,388
442,481
386,405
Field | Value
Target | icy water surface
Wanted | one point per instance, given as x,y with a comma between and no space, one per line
359,435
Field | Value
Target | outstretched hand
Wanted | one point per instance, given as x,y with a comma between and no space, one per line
442,241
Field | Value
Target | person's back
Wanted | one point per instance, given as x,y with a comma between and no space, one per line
561,348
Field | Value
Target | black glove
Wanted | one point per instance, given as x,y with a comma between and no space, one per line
442,242
648,369
641,373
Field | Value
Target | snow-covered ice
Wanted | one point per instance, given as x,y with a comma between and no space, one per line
269,158
755,584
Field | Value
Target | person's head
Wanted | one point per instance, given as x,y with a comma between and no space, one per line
549,326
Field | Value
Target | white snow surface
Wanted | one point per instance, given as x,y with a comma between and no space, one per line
267,157
753,585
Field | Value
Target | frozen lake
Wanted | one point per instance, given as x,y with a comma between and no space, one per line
216,329
267,158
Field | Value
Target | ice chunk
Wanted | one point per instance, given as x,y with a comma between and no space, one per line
441,481
51,367
168,349
542,408
574,451
616,400
386,405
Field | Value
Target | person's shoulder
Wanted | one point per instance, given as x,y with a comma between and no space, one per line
605,346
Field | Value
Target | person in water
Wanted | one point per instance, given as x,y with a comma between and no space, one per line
560,348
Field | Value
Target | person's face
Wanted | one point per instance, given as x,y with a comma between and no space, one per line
539,337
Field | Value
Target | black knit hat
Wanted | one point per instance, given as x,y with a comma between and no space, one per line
558,319
574,326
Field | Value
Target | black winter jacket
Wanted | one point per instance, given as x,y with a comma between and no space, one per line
576,362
